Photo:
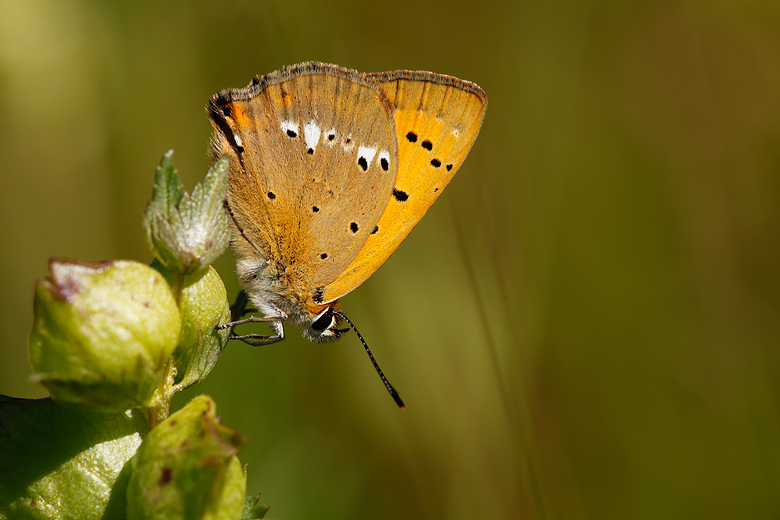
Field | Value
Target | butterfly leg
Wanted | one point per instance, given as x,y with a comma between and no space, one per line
258,340
239,309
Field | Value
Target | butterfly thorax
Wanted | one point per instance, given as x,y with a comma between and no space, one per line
275,288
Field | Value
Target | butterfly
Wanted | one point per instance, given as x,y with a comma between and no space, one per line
330,170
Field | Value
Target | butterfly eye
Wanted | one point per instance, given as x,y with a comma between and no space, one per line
324,320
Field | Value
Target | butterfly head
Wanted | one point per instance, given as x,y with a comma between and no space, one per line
323,327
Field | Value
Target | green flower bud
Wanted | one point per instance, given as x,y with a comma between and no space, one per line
187,468
203,305
102,332
187,231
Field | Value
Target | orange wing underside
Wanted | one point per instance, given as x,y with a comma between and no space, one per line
437,120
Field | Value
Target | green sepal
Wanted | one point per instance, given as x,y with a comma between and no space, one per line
168,189
203,305
253,509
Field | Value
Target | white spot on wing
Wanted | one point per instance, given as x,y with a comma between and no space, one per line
238,140
367,152
331,137
455,133
288,125
348,144
311,132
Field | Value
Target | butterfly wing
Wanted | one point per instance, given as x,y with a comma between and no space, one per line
303,142
437,118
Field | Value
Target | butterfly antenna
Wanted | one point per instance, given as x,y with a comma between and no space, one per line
393,393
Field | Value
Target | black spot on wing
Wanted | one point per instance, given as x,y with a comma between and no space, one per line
411,137
400,196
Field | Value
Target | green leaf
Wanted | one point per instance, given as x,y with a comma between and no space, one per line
187,468
65,462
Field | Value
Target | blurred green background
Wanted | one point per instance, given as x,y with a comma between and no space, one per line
587,323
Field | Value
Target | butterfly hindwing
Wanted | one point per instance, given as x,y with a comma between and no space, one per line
437,118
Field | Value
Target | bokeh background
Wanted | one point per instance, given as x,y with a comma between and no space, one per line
585,325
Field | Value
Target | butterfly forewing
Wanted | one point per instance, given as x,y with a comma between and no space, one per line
314,158
437,118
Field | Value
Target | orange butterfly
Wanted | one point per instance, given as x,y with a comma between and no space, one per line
330,170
